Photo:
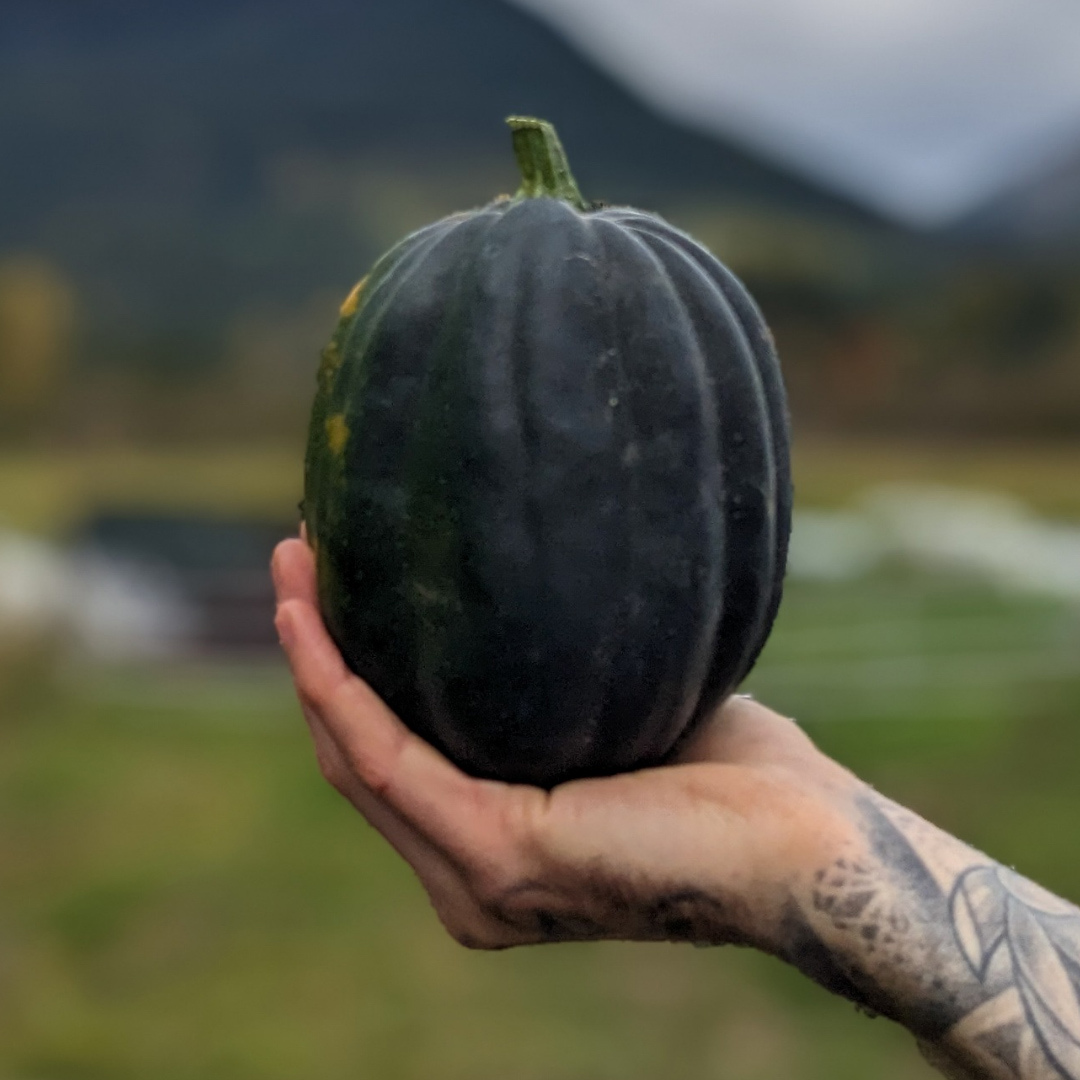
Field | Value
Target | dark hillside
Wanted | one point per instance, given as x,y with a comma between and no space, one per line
144,143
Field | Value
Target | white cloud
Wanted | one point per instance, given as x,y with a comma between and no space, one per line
924,107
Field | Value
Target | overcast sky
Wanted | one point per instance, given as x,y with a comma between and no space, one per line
925,108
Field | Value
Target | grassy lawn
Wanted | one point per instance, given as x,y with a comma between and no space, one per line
182,897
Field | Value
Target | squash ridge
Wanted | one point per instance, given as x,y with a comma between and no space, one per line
696,669
768,367
738,665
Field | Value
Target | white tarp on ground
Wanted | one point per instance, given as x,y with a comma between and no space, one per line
983,533
105,607
35,585
120,609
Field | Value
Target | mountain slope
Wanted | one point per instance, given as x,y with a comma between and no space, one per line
145,142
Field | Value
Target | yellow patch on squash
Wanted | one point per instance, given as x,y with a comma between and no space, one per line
337,433
352,301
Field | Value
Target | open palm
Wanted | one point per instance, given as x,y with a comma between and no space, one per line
702,849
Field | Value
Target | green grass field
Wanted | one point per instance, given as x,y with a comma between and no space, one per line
182,897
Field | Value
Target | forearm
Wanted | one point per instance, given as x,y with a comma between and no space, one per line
980,964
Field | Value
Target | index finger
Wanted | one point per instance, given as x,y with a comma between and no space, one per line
293,570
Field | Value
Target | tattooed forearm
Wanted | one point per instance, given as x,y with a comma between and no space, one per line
981,964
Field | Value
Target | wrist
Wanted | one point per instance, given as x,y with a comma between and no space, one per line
805,825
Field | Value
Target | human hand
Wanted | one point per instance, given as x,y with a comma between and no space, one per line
709,848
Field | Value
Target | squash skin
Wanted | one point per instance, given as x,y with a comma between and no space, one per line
548,488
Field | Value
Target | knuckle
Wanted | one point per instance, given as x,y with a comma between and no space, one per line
312,697
475,934
375,778
332,771
495,887
477,941
513,902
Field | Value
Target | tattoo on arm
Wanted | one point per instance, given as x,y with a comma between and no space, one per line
995,914
980,963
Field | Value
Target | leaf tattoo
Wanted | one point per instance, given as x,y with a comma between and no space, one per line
999,917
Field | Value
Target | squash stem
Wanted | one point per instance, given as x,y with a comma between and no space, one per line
542,160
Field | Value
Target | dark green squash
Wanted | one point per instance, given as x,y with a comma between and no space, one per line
547,481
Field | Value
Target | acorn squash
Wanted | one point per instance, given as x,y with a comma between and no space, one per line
547,481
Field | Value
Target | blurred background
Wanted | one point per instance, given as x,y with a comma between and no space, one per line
188,191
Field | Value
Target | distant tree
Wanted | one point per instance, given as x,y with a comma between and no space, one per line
37,320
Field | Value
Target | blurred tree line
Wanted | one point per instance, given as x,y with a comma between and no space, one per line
37,321
983,349
878,332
